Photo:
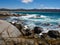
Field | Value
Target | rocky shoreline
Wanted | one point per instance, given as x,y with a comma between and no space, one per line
36,37
30,37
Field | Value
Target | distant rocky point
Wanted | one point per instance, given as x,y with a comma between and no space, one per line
40,10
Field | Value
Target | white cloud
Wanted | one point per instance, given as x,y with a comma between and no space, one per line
27,1
51,8
47,7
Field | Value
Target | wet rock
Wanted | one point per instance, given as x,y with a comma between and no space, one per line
19,26
37,30
27,32
53,34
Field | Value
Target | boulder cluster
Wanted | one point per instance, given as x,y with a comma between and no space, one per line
52,37
18,34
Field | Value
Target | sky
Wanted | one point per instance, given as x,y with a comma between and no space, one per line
30,4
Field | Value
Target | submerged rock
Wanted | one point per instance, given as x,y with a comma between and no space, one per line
47,24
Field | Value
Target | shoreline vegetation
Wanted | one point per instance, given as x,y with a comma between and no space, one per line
30,37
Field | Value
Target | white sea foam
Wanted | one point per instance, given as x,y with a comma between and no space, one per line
42,16
32,18
28,16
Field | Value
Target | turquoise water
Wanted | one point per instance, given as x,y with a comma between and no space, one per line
42,16
41,19
54,14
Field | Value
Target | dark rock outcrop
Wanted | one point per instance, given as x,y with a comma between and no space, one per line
53,34
37,30
27,32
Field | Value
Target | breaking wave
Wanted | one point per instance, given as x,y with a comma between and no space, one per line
33,20
40,20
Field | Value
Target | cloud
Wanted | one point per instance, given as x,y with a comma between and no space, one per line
47,7
51,8
27,1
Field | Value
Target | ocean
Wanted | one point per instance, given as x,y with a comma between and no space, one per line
46,20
